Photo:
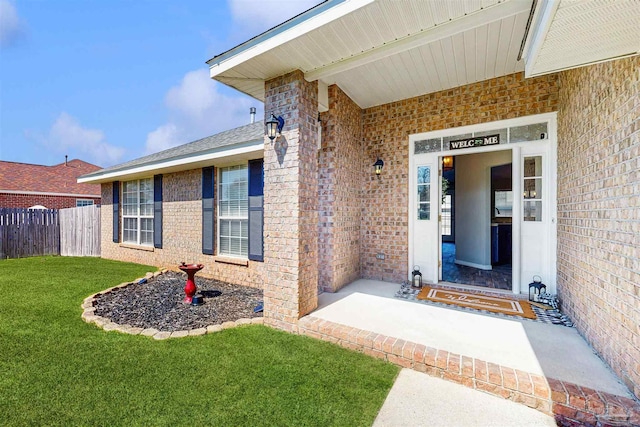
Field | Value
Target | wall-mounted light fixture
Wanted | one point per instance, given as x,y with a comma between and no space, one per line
378,165
447,163
274,126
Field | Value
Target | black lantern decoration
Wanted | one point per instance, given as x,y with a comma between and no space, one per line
274,126
378,165
416,277
537,286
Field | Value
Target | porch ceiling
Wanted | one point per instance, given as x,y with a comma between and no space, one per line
568,33
379,51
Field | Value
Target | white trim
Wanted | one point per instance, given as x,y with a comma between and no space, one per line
481,127
138,216
175,165
482,17
220,217
282,34
542,19
474,265
516,212
551,119
84,200
39,193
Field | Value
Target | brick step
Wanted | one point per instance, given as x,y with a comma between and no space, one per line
570,404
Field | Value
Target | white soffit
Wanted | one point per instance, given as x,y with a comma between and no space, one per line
387,50
571,33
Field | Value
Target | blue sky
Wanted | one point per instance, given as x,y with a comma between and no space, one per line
109,81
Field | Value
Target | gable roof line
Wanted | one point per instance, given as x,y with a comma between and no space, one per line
316,17
241,140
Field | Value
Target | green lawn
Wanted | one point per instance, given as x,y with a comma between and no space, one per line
57,370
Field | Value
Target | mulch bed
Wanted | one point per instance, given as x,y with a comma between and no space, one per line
158,303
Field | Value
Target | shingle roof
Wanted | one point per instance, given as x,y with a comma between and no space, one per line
228,138
60,178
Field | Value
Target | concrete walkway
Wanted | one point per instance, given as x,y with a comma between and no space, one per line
547,367
417,399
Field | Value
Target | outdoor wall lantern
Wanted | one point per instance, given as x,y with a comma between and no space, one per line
447,163
378,165
274,126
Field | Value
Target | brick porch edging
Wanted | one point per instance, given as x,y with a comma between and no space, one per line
571,404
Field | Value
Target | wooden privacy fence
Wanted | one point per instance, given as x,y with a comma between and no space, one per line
80,231
34,232
29,232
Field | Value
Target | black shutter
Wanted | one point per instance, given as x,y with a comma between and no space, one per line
256,209
157,211
116,211
208,219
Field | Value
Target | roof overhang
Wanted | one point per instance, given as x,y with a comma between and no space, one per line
380,51
222,156
567,34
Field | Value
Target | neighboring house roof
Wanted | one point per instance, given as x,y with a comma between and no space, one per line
38,179
242,142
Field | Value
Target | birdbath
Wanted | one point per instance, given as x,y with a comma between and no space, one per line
190,287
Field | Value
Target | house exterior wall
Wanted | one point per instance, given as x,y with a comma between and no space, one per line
291,202
340,171
386,131
599,209
181,233
10,200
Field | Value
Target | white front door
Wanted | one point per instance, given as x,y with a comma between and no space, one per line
425,207
537,217
533,143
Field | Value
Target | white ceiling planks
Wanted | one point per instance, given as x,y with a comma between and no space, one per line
390,50
569,33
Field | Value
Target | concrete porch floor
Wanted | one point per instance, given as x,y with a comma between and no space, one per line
548,367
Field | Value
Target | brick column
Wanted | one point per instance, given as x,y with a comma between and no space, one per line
291,202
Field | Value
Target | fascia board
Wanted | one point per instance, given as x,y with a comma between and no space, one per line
317,17
543,18
175,164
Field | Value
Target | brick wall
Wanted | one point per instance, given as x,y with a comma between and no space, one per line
181,236
386,131
599,209
340,164
291,202
50,202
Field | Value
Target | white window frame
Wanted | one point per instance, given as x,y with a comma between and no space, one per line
244,219
138,216
84,202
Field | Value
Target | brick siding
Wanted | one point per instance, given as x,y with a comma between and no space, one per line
599,209
341,167
291,202
386,131
50,202
181,233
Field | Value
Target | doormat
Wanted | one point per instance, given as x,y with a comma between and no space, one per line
554,316
492,304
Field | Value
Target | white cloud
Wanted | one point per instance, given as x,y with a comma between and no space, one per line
198,109
69,137
253,17
165,136
11,27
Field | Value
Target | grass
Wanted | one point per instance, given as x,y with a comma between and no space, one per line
57,370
